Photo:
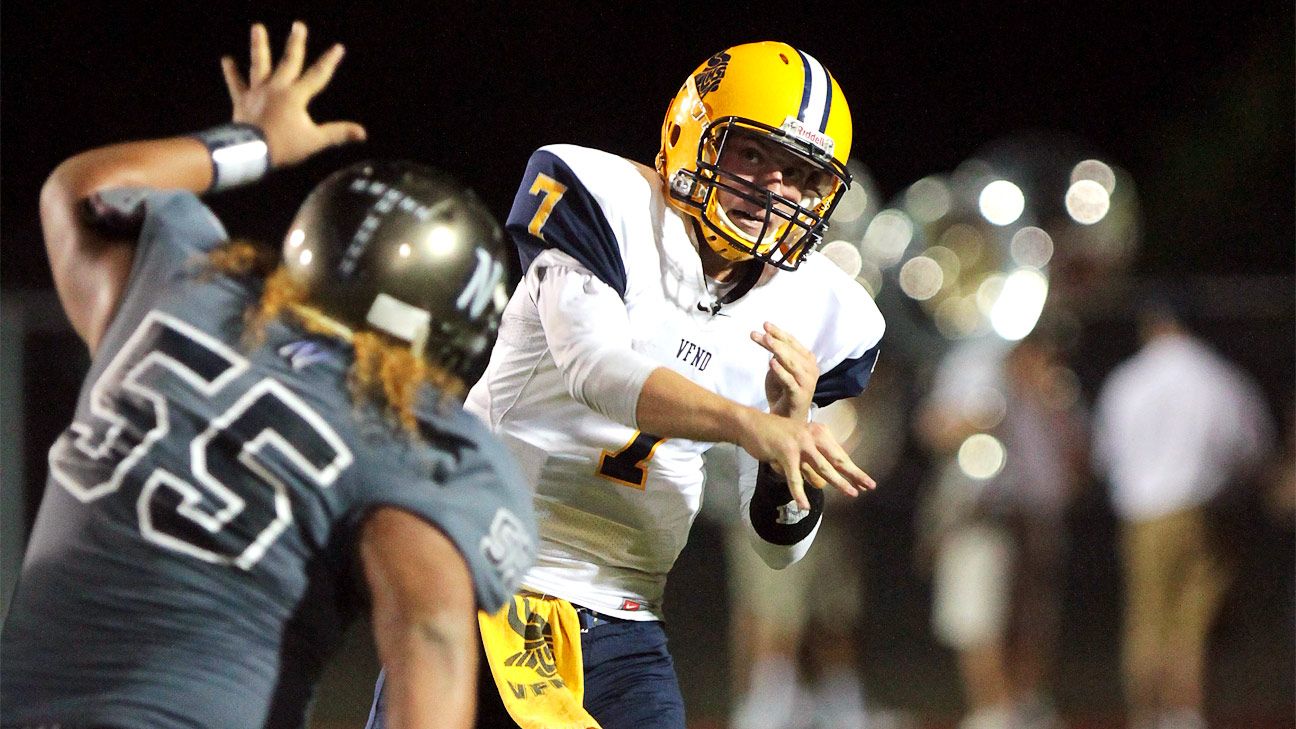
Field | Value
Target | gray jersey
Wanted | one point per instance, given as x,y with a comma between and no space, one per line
193,562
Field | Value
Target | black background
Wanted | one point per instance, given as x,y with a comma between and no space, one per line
1194,100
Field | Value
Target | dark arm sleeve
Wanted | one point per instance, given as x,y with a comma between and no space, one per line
773,518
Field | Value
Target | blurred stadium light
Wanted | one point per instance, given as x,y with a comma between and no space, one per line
979,251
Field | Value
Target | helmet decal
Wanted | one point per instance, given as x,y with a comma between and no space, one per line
709,79
816,94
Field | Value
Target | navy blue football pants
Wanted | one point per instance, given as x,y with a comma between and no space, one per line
630,679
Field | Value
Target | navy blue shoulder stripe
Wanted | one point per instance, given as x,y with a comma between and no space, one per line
847,379
553,209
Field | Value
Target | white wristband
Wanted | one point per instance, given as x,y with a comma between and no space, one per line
239,154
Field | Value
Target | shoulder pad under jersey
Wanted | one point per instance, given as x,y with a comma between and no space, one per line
577,200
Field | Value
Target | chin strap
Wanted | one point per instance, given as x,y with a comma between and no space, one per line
748,275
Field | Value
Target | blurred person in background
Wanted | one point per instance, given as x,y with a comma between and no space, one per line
1176,427
663,311
992,532
1280,475
260,453
795,633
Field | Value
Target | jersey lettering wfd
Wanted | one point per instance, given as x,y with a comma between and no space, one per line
224,510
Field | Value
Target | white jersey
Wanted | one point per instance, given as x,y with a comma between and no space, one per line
613,289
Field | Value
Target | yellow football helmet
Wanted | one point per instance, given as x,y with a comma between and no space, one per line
778,94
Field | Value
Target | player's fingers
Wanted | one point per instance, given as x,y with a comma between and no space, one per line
321,72
856,475
792,472
233,81
784,352
294,54
829,454
343,132
813,478
799,360
830,474
785,378
845,466
259,55
785,337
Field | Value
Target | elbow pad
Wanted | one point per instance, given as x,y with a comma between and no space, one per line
774,514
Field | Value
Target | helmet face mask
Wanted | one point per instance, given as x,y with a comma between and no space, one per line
406,251
791,106
788,229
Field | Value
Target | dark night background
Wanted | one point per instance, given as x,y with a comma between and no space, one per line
1193,100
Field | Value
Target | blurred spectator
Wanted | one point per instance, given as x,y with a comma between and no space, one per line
1280,475
1176,425
796,631
991,529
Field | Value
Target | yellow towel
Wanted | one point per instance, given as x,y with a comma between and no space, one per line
534,650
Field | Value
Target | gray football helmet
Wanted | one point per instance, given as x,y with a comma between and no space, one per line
403,249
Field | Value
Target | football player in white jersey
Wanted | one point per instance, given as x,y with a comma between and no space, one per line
664,312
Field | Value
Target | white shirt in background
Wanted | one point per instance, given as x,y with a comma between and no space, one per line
1174,424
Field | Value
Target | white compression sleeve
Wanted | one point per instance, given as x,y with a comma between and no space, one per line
588,332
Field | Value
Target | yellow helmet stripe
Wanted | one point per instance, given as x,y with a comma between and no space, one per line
816,94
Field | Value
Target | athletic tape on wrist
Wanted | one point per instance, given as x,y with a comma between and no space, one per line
239,154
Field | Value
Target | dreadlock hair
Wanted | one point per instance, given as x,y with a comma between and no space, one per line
385,370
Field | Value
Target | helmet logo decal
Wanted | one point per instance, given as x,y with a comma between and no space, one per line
481,285
816,93
802,132
709,79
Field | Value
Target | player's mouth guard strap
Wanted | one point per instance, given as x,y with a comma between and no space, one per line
774,513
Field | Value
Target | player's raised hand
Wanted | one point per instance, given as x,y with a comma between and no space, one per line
803,452
275,98
793,373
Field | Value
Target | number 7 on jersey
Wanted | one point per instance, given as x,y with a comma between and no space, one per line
551,191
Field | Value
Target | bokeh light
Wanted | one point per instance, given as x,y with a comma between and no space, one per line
845,255
441,241
1032,246
888,236
981,456
1087,201
1020,303
1001,202
928,199
1096,170
921,277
